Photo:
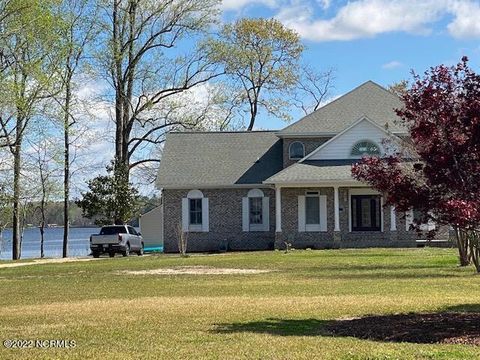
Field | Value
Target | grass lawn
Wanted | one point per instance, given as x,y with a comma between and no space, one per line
280,314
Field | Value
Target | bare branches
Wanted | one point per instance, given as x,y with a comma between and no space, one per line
313,88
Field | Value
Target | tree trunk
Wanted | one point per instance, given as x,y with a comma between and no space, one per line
16,243
42,239
462,245
66,169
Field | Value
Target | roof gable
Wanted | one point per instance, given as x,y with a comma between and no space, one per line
340,146
368,100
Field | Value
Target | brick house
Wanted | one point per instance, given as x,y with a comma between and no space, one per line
257,190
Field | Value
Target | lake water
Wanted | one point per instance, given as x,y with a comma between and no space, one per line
79,242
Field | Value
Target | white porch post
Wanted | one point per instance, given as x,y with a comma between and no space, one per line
336,203
278,209
393,219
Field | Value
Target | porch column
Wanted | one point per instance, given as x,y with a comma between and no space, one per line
393,219
336,205
278,209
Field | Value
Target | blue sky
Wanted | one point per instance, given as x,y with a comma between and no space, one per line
379,40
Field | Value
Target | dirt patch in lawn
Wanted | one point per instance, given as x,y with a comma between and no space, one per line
446,328
195,270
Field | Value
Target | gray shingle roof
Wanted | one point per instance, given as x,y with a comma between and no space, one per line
369,99
311,172
202,159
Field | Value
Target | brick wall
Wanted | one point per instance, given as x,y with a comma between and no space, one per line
225,217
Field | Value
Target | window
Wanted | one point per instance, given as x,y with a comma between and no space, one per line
366,213
296,150
195,215
132,231
312,210
255,209
112,230
417,217
365,147
195,211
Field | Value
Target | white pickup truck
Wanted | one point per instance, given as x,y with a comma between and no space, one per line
114,239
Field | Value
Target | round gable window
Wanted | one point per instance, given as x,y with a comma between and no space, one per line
365,147
296,151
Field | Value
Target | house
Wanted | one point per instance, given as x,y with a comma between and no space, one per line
262,189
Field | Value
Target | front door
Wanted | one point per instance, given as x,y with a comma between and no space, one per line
366,213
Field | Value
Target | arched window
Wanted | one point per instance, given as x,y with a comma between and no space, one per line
195,212
255,211
365,147
296,150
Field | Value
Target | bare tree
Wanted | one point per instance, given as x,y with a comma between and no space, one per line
78,33
142,72
44,162
313,88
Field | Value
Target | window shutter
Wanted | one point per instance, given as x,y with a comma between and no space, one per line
184,214
205,220
245,215
301,213
266,213
323,213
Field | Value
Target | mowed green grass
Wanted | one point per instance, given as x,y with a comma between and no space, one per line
272,315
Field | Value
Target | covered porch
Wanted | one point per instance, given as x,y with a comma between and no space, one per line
324,207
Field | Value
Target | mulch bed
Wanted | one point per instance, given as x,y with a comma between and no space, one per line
445,328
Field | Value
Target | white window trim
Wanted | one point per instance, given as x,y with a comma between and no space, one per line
265,225
290,146
302,215
186,226
380,150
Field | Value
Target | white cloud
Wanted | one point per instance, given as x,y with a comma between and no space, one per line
392,65
467,21
368,18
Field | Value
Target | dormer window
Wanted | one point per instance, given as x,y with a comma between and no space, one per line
296,151
365,147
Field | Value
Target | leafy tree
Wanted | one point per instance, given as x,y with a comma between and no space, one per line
260,58
30,47
111,198
440,176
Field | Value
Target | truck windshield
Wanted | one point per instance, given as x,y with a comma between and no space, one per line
112,230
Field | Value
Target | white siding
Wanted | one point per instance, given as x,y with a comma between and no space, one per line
151,227
340,147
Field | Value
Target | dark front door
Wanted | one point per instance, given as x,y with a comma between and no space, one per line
366,213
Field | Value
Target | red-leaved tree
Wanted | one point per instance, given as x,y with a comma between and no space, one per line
439,172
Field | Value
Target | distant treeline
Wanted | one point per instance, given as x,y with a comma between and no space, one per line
54,213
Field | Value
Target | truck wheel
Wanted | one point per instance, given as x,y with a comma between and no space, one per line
95,254
127,250
140,252
111,254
